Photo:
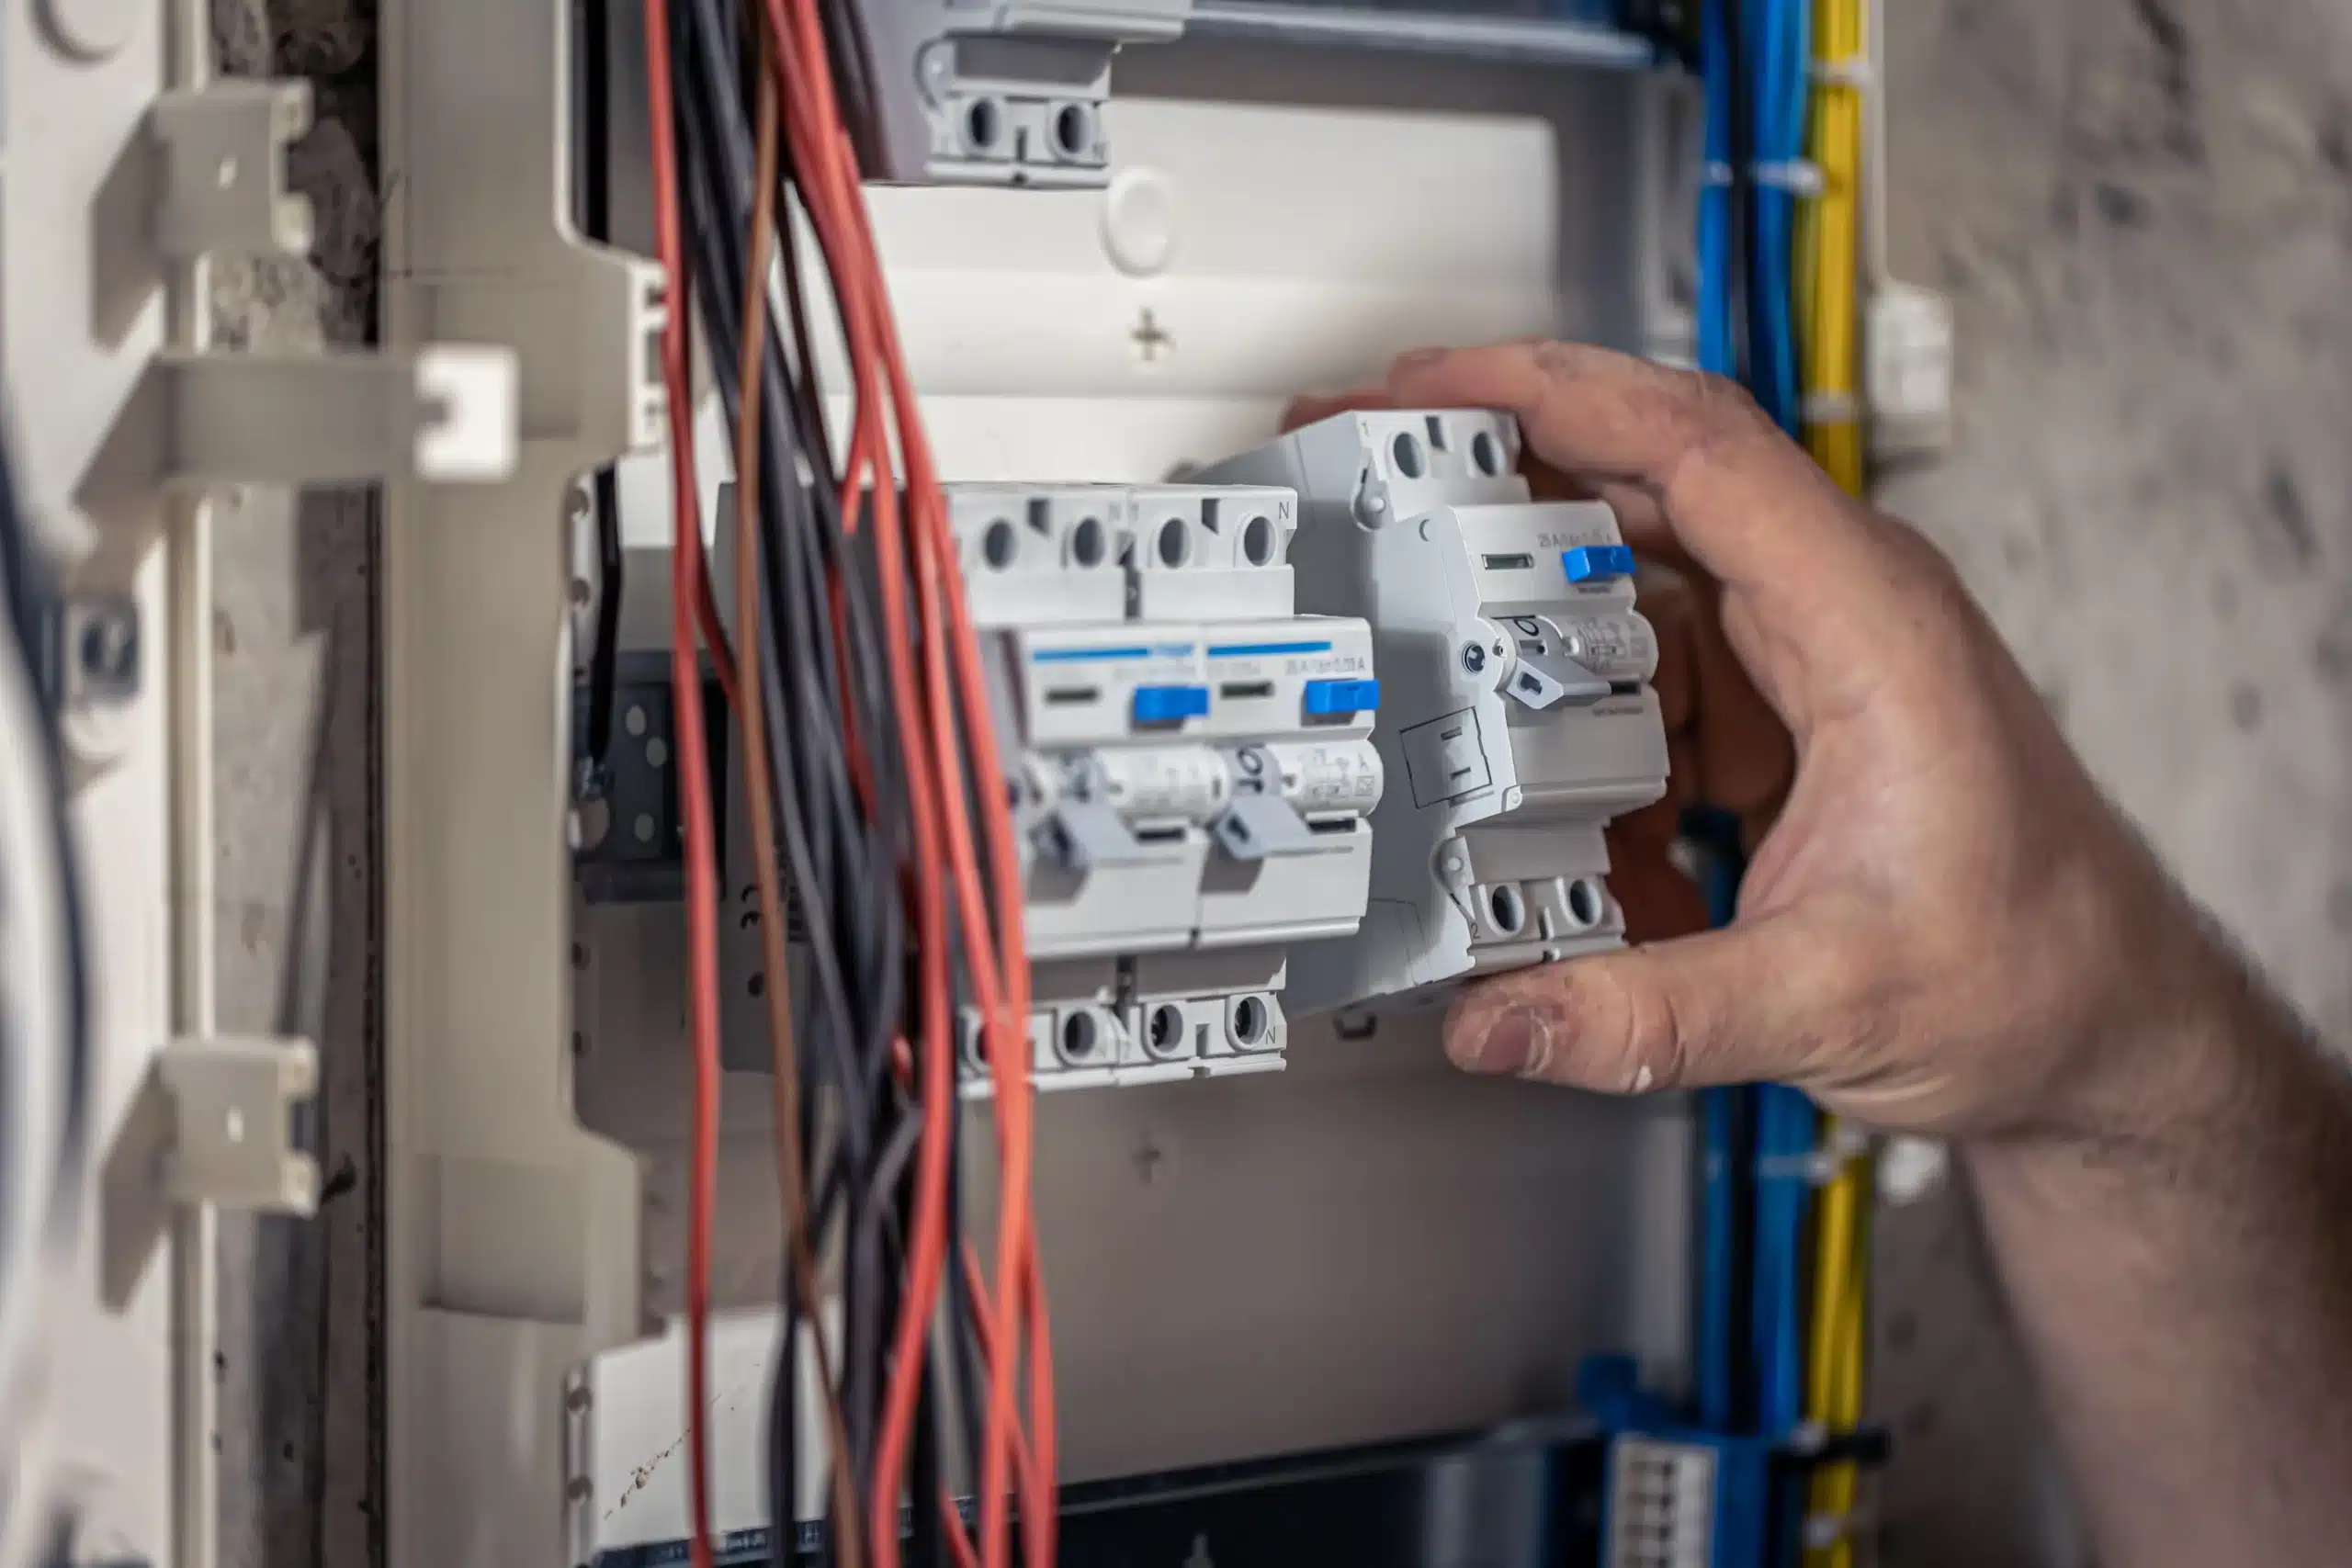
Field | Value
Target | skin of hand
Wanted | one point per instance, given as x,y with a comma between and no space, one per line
1943,927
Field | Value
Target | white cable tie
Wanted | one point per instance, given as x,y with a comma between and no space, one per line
1717,173
1832,408
1855,71
1798,176
1823,1531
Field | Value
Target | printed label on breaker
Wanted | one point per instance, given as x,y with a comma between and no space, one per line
1343,777
1186,782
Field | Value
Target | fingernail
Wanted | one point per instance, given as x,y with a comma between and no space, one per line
1519,1040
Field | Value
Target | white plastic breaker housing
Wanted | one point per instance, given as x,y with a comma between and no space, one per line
998,92
1192,765
1518,716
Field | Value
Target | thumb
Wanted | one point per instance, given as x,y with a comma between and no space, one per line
1749,1004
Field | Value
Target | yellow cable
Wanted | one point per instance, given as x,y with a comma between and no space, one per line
1829,320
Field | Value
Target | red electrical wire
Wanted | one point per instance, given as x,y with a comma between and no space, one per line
689,599
953,702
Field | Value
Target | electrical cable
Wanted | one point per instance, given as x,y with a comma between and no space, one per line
880,753
785,1064
837,210
1835,251
701,878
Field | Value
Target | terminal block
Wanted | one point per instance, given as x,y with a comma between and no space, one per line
1517,718
1191,765
996,92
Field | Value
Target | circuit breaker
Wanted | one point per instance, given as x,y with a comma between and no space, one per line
998,92
1193,766
1519,717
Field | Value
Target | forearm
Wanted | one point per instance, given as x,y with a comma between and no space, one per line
2183,1282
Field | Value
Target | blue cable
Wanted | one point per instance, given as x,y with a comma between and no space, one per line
1716,345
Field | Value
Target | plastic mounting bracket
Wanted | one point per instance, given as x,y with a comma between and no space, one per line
230,1145
223,150
446,414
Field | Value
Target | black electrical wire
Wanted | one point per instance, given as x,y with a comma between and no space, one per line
843,859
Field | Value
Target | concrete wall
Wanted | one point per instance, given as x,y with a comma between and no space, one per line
2143,210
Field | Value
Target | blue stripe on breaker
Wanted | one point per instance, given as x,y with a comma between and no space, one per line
1264,649
1078,655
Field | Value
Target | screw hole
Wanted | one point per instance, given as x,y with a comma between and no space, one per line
1080,1037
1587,904
1487,453
1508,909
1257,541
1407,452
1248,1021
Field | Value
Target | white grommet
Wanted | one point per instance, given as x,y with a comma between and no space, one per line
1139,222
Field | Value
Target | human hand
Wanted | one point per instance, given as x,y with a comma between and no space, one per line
1945,927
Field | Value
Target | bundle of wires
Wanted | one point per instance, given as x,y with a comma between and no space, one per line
874,787
1777,256
1829,250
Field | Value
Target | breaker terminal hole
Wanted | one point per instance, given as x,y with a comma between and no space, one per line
1487,453
1074,130
1166,1030
1081,1036
1508,909
1089,543
1406,452
1587,903
983,124
1000,542
1257,541
1174,542
1249,1021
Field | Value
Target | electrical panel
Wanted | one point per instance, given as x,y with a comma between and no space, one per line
1520,719
1003,92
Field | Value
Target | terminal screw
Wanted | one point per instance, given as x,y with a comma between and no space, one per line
1474,658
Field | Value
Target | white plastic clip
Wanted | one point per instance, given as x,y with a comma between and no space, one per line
1797,176
1716,173
1832,408
1855,71
223,154
231,1143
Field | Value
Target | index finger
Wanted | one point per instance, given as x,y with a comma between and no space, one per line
1742,499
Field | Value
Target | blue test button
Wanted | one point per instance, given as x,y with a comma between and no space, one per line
1597,563
1326,697
1167,705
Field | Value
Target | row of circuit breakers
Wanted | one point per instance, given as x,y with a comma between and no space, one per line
1333,726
